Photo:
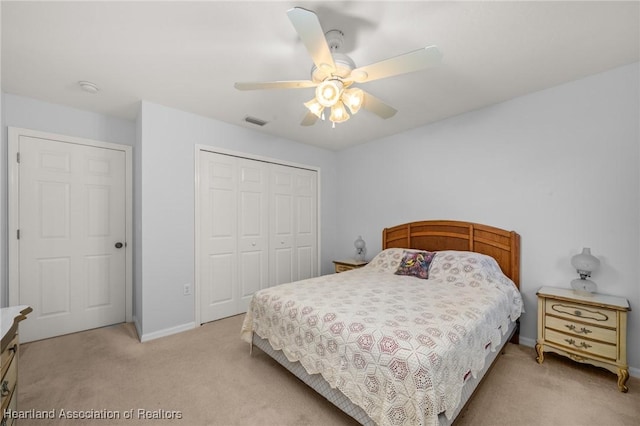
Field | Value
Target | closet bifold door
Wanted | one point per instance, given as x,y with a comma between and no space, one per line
293,224
233,233
257,228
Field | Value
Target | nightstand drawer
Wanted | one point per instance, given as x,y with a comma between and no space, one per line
588,346
582,330
347,265
12,407
589,314
8,383
343,268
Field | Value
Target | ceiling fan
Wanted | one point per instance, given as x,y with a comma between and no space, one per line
334,74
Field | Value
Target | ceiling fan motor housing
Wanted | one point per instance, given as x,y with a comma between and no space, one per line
344,66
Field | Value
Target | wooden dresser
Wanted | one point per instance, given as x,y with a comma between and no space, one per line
348,264
9,347
586,328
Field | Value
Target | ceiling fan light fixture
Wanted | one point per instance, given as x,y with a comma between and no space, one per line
328,92
339,113
353,98
314,107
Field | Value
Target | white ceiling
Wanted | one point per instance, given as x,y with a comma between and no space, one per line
187,55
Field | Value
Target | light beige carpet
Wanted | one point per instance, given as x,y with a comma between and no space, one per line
207,377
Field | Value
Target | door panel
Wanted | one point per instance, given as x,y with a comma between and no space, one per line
71,213
234,230
253,229
294,224
218,250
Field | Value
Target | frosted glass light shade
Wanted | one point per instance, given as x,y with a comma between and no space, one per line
328,92
314,106
339,113
353,99
585,263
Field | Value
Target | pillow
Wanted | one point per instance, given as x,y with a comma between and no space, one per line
386,261
416,264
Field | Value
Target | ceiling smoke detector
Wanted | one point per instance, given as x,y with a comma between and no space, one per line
88,87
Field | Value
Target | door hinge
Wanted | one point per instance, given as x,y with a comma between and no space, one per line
18,234
17,157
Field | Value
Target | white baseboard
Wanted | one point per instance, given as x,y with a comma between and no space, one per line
166,332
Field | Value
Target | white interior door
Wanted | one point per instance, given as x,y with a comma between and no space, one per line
72,236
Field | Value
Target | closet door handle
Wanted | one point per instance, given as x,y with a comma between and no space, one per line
118,245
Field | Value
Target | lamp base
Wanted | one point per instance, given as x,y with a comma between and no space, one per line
584,287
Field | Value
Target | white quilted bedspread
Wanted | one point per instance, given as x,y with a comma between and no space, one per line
397,346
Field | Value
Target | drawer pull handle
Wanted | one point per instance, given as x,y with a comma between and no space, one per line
5,388
14,348
583,345
582,330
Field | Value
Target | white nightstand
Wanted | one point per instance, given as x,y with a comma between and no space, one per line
589,329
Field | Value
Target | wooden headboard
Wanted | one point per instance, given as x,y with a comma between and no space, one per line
438,235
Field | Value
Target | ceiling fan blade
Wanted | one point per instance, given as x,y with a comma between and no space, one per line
309,119
292,84
312,35
376,106
409,62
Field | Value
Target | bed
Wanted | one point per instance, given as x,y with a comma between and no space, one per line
387,344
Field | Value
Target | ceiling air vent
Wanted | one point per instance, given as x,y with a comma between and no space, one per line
255,121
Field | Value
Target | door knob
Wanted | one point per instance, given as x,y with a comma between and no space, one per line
118,245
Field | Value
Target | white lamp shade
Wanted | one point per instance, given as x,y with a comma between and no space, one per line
585,262
360,246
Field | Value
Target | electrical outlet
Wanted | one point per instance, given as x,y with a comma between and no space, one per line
187,289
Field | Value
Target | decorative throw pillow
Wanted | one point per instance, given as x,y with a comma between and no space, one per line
415,263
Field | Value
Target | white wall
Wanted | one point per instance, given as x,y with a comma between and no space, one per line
33,114
527,164
166,215
19,111
560,167
4,273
